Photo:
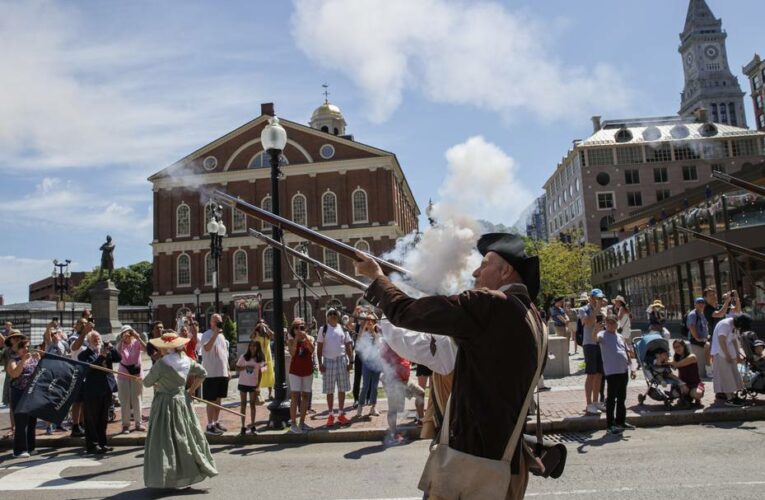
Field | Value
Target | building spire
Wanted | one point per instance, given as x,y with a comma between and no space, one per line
699,15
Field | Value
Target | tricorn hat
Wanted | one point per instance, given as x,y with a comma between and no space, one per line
511,247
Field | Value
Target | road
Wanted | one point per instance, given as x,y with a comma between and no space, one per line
708,461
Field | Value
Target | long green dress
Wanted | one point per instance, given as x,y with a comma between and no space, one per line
176,453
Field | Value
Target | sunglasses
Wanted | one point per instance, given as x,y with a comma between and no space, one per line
300,327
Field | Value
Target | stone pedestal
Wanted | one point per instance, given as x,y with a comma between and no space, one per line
558,366
104,300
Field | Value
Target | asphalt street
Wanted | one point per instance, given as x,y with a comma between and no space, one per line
699,462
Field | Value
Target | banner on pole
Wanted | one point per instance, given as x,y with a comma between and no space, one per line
54,387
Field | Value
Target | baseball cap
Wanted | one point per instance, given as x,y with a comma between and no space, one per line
597,293
699,300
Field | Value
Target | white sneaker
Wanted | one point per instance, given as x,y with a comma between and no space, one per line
592,409
373,412
601,406
358,411
295,429
23,454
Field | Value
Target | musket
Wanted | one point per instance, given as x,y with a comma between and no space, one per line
298,230
729,246
754,188
343,278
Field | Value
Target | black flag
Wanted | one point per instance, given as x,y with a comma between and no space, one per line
54,387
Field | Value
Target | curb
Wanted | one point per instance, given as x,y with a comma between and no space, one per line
556,426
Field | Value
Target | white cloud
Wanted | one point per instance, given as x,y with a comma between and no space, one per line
481,181
56,203
70,99
480,54
18,273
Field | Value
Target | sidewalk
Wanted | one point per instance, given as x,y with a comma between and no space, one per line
562,411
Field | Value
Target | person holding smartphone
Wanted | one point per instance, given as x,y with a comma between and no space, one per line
215,363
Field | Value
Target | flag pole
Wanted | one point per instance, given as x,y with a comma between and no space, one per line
139,379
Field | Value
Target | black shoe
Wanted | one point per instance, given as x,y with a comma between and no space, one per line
543,389
91,451
220,427
243,431
77,432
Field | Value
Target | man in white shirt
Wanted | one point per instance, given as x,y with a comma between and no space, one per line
215,362
335,352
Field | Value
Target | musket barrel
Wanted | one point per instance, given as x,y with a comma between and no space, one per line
298,230
344,278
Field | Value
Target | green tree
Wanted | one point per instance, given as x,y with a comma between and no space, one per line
564,268
134,283
229,330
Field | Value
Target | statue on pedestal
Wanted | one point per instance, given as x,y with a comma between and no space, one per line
107,258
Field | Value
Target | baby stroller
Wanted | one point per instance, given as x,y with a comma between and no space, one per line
646,349
753,370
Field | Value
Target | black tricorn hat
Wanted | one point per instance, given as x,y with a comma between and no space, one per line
512,248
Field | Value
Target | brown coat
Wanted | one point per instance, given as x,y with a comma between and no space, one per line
496,360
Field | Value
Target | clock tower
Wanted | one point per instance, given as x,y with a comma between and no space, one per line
709,83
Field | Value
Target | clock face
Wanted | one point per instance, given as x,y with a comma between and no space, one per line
689,59
711,51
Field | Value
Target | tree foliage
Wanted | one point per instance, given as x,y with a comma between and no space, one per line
565,268
134,283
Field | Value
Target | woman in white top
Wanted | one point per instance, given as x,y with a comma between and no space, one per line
726,353
623,318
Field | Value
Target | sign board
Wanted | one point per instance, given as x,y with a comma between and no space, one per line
246,314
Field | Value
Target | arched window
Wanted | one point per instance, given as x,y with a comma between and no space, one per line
299,312
362,245
263,160
301,266
240,266
268,264
360,212
183,270
183,220
331,259
209,269
329,209
606,222
299,211
265,204
209,214
238,221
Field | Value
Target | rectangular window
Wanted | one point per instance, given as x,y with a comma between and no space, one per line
762,121
660,174
690,173
631,176
660,152
759,101
605,201
715,116
744,147
714,150
635,199
662,194
331,259
723,113
686,152
629,154
756,82
718,167
599,157
239,222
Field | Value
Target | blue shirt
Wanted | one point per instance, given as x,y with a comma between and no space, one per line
556,312
700,322
614,353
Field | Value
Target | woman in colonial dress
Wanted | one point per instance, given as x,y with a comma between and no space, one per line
263,335
176,454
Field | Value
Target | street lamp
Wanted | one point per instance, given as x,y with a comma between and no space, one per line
197,291
150,303
274,139
217,230
61,275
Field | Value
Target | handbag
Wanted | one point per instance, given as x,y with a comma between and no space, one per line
132,369
450,474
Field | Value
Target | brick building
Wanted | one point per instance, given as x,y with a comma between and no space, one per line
45,289
755,71
627,165
331,183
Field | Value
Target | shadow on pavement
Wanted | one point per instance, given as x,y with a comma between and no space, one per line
369,450
157,493
601,441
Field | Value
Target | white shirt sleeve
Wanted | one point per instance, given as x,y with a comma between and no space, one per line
415,346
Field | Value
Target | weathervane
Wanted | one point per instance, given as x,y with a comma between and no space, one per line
326,93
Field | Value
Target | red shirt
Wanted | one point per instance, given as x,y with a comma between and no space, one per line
191,347
403,366
302,362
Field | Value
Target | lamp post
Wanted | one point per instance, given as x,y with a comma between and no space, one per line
274,139
217,230
61,275
197,292
150,303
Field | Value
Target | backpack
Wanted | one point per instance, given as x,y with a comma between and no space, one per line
684,330
579,332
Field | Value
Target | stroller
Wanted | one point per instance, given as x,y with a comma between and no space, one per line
646,348
753,370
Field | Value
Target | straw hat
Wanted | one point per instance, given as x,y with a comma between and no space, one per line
169,340
619,298
14,334
657,303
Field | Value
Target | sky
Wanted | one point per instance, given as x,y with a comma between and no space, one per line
96,96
